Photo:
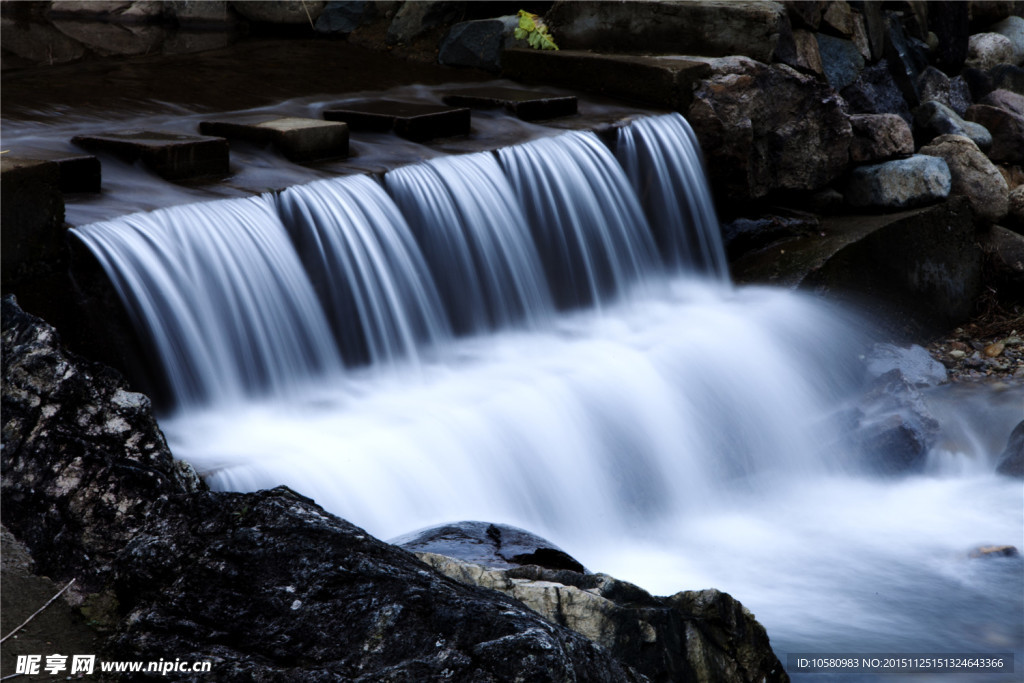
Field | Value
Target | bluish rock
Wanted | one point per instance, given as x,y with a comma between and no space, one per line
341,17
933,119
875,92
477,44
841,60
899,184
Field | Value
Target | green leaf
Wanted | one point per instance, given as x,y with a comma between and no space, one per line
521,34
526,21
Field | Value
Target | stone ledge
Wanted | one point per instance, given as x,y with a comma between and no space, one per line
524,104
298,139
172,156
415,121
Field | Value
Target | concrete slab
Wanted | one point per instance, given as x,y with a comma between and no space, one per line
414,121
76,172
31,218
170,155
525,104
665,80
298,139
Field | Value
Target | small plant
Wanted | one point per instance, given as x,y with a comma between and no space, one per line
533,29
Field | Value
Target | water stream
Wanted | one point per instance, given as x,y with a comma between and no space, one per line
546,337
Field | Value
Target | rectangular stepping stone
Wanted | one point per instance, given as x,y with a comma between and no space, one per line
414,121
298,139
172,156
525,104
76,172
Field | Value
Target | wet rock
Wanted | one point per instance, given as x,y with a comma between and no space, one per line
748,234
899,184
478,44
713,29
995,349
894,428
994,551
690,636
1006,77
770,129
949,21
878,137
341,17
1011,460
914,362
874,22
1006,100
108,39
985,50
33,43
414,19
973,175
170,155
1007,129
933,119
283,12
860,37
1012,28
495,546
412,120
298,139
875,92
905,59
840,59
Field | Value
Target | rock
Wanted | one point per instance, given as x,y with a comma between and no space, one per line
170,155
860,37
875,92
415,121
494,546
110,39
894,428
37,44
899,184
841,60
690,636
933,119
1004,261
478,44
298,139
985,50
1011,460
914,362
959,95
1006,77
875,23
949,21
878,137
31,219
267,585
1006,100
414,19
341,17
805,14
706,27
973,175
905,60
768,130
994,551
986,12
978,81
1015,207
747,234
805,55
1012,28
838,19
281,12
1007,129
953,93
527,105
995,349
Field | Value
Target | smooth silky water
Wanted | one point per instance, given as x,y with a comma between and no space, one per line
546,337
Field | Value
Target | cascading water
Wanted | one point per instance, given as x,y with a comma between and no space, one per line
677,432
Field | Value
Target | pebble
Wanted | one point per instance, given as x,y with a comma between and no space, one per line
994,350
957,353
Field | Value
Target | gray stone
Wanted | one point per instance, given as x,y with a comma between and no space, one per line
973,175
188,12
875,92
934,118
702,636
414,121
524,104
904,60
841,60
914,362
742,235
959,95
985,50
280,12
1005,100
879,137
754,140
341,17
899,184
38,44
932,84
478,44
494,546
413,19
1006,77
663,80
894,428
1013,28
1015,207
1011,460
170,155
714,28
1007,129
76,172
298,139
109,39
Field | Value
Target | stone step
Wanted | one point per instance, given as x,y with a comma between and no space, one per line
524,104
664,80
76,172
172,156
712,28
298,139
414,121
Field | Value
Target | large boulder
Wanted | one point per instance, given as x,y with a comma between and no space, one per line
840,59
933,119
899,184
879,137
875,92
769,128
973,175
1013,29
714,28
266,586
478,44
985,50
691,636
893,426
1007,129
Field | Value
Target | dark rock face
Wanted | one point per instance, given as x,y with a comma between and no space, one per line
875,92
85,467
1011,461
704,636
840,59
478,43
769,128
747,234
497,546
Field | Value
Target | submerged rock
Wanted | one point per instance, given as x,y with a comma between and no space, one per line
914,363
894,428
690,636
1011,460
